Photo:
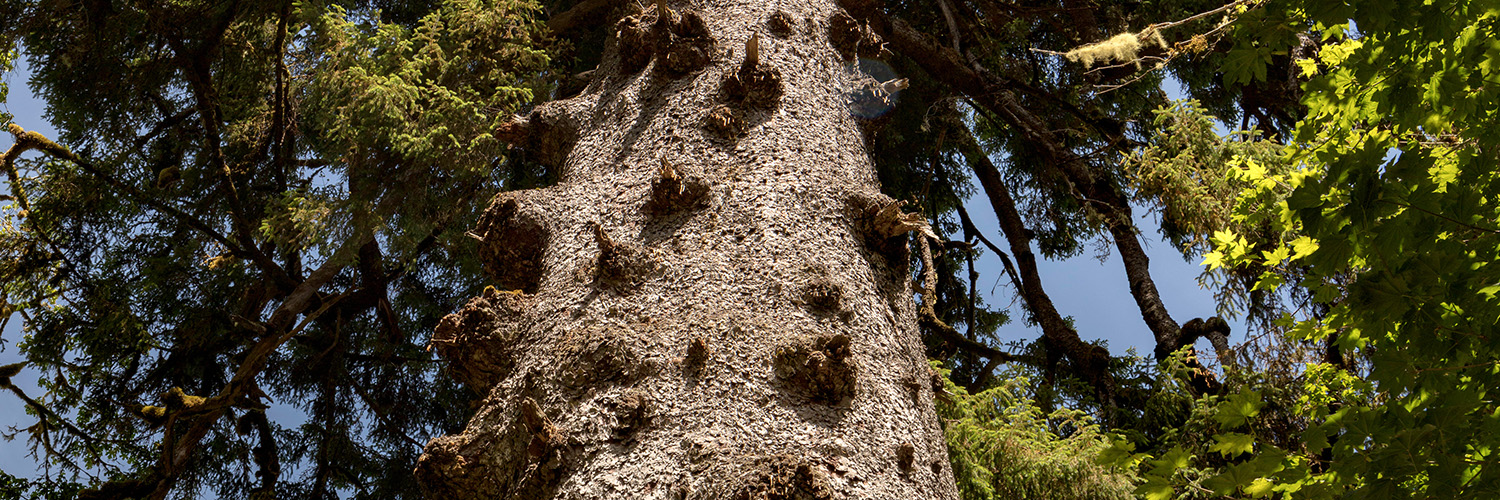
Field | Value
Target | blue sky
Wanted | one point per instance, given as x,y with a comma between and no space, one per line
1094,292
28,113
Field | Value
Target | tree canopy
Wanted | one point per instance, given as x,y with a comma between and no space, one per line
265,203
1378,217
233,217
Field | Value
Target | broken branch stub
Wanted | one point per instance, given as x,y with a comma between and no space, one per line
632,414
636,47
682,41
890,221
675,190
547,134
756,82
544,434
726,121
785,477
819,368
906,455
479,342
620,263
844,34
782,24
851,38
697,356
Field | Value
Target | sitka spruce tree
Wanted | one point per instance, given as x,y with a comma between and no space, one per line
713,301
264,204
599,249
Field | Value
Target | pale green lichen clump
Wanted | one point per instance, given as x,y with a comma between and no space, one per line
1117,49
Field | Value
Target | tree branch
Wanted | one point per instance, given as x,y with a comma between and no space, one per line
1010,269
927,316
27,140
1092,361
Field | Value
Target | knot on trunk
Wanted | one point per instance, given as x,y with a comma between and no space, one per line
479,340
620,263
851,38
782,24
634,35
511,241
880,219
521,458
675,190
756,82
632,413
785,477
450,465
682,40
726,121
697,356
595,356
818,367
906,455
924,377
547,133
823,295
545,436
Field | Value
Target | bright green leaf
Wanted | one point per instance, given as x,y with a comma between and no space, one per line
1233,444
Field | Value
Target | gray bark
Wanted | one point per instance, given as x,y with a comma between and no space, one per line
711,303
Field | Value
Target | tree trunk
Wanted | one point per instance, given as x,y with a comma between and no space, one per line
714,301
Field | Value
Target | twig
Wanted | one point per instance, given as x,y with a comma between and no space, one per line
1201,15
1157,27
1444,217
1010,269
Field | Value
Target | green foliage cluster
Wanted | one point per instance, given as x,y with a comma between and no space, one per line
1192,178
1181,173
439,88
1002,445
260,203
1385,221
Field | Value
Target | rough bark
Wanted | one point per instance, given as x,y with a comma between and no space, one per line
713,302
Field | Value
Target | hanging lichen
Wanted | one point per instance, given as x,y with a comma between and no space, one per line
1121,48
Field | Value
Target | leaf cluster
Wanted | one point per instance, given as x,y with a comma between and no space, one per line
1002,445
1385,220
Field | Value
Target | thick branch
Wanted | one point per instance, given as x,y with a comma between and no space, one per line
27,140
1010,268
992,95
175,452
1091,360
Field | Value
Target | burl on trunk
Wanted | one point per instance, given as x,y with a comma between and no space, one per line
714,301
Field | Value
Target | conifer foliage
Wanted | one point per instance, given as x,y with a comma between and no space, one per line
257,204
